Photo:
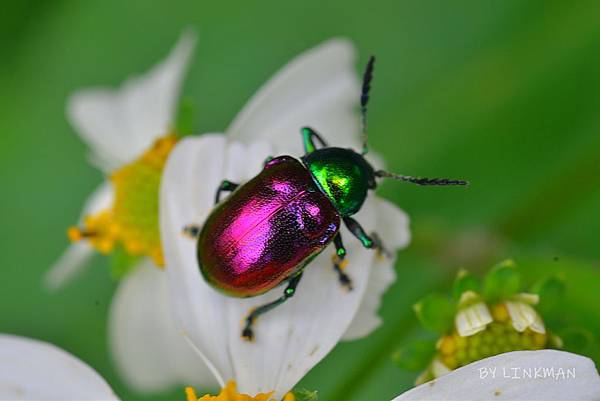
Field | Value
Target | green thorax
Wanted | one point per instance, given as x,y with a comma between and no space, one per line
343,175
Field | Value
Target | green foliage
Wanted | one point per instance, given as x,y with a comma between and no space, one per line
501,282
415,355
551,291
305,395
577,339
121,263
186,117
436,313
580,341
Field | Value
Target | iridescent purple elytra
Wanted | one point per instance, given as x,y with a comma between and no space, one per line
266,230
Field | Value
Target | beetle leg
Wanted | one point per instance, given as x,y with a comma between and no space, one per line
308,136
225,186
248,333
369,241
192,231
267,160
340,262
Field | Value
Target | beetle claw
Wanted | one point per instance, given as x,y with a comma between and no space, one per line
339,265
380,250
191,231
346,281
248,334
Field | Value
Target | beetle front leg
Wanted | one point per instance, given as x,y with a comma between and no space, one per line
369,241
308,137
225,186
248,332
267,160
340,262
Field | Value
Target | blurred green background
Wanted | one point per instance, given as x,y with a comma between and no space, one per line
504,93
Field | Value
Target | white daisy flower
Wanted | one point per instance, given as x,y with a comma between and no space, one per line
37,371
515,376
129,132
473,314
318,89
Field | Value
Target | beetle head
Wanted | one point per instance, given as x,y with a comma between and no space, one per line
343,175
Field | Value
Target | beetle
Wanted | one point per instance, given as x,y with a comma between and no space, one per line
269,229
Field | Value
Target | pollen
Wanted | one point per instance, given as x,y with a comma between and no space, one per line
99,230
500,313
230,393
132,220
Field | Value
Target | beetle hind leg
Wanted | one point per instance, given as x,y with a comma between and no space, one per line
248,332
225,186
340,262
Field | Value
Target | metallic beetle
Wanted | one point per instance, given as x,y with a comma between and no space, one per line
268,229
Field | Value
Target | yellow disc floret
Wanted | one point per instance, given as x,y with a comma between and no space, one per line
455,350
132,220
229,393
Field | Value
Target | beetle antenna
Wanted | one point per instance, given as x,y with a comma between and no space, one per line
420,180
364,99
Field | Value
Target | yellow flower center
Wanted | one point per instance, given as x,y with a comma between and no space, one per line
132,220
229,393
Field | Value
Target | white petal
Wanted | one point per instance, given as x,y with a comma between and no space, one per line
438,369
78,254
192,173
102,198
523,316
392,227
470,383
150,352
36,371
69,265
119,124
319,89
473,318
531,299
290,339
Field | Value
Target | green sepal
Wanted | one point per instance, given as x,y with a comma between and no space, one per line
551,291
415,356
185,118
121,263
464,281
436,313
501,282
302,394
